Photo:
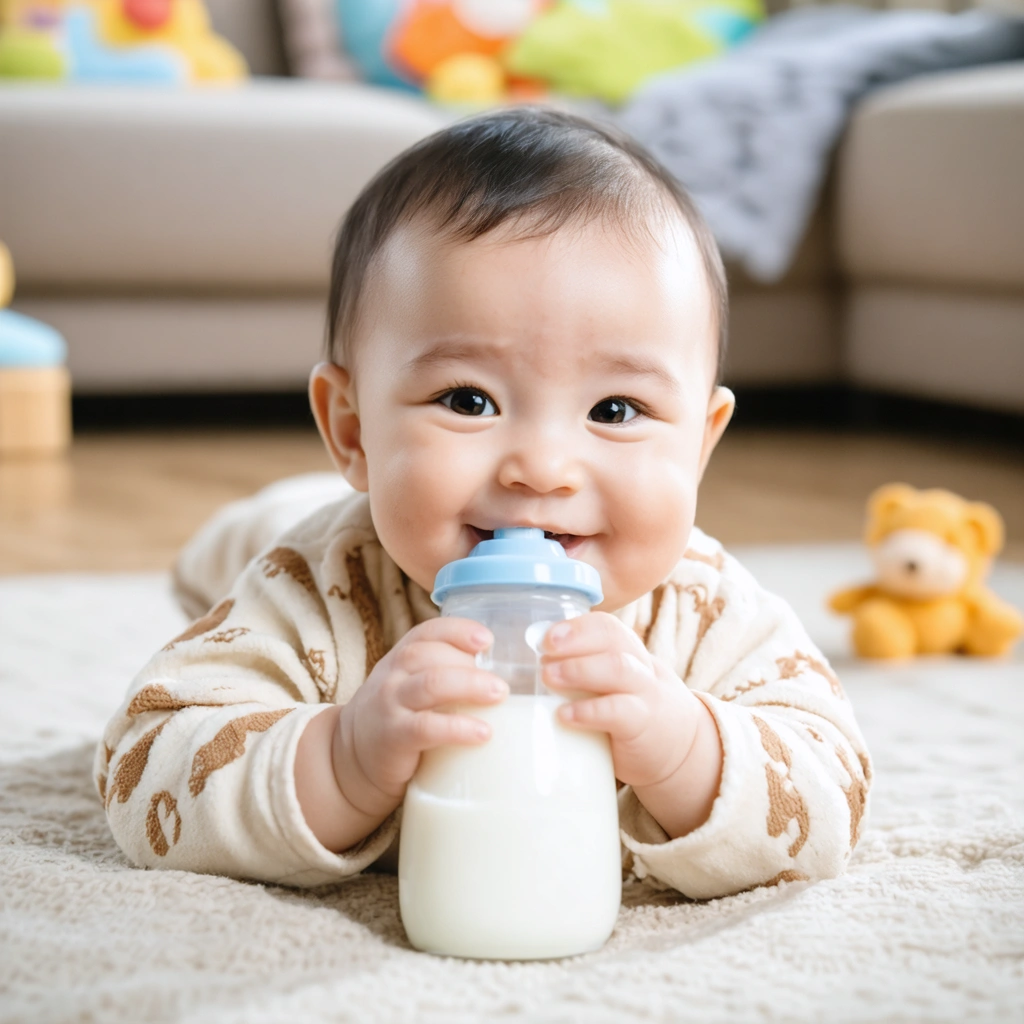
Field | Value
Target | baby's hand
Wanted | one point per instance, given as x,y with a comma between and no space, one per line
650,714
392,718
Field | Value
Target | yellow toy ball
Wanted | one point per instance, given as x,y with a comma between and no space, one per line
467,79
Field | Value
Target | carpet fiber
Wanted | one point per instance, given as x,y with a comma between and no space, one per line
927,924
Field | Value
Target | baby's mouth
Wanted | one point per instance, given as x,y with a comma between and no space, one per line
569,541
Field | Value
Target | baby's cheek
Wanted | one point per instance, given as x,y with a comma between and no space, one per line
662,495
652,526
417,499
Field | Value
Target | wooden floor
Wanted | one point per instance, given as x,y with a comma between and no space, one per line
126,502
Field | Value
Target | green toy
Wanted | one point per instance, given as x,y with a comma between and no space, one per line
608,48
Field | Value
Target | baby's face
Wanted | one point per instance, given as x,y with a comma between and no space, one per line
562,382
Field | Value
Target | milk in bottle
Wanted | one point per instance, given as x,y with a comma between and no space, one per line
510,850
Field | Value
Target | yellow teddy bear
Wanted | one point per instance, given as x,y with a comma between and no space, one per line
932,551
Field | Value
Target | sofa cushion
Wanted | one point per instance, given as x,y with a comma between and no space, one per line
137,343
929,182
190,190
134,344
952,344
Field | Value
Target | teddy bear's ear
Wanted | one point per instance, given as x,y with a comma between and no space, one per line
884,500
987,524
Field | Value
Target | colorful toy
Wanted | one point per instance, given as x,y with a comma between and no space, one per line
182,26
608,48
932,551
365,27
157,41
35,389
424,43
28,40
467,79
601,48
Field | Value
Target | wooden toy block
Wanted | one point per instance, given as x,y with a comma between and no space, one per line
35,410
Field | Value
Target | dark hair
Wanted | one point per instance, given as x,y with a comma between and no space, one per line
549,167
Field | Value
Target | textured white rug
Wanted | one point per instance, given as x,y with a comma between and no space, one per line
927,925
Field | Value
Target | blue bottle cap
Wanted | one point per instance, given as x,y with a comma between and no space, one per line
519,556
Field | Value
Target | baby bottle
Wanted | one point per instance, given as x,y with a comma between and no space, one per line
510,850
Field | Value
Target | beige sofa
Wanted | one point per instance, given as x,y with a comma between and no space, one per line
181,239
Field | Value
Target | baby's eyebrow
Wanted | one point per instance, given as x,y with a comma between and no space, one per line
638,366
452,350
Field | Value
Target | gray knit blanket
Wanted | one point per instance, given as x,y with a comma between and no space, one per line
750,134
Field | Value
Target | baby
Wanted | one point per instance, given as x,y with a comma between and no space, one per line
526,327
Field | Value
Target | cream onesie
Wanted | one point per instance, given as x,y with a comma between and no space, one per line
196,768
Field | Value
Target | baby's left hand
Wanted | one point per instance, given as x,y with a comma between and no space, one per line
650,714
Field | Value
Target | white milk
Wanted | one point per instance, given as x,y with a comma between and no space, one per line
510,850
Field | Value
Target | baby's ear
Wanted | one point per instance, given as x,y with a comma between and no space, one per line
883,501
720,409
987,526
332,399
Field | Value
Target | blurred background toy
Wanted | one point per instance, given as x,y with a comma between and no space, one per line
35,388
477,52
467,79
608,48
183,26
449,48
157,41
932,551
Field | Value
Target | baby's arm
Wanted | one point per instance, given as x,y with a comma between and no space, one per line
354,761
197,770
794,770
194,769
664,739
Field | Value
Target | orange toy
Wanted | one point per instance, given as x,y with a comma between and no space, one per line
454,46
432,33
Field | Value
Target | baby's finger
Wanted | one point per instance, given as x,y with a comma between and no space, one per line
591,634
607,672
429,729
621,715
446,684
464,634
428,654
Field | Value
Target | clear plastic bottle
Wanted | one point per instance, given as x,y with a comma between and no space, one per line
510,850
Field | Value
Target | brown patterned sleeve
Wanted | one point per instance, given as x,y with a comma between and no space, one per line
796,773
196,769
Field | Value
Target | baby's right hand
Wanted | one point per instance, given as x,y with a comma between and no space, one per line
393,716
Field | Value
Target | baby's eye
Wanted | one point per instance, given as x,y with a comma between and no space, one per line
613,410
468,402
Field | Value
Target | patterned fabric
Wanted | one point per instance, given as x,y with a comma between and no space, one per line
196,768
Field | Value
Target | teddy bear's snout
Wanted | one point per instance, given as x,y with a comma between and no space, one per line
919,565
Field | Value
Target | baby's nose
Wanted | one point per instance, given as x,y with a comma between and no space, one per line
541,468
